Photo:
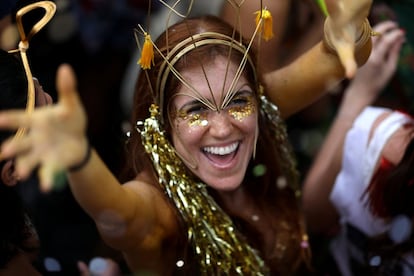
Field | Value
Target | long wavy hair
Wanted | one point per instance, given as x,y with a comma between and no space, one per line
279,205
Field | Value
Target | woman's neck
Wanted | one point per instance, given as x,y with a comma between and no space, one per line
239,202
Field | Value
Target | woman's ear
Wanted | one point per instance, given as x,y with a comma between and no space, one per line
8,175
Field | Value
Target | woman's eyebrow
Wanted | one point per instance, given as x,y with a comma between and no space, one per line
244,90
191,103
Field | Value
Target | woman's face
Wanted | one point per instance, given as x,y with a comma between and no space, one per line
215,145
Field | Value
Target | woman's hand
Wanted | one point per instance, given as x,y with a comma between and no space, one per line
374,75
55,137
382,63
343,28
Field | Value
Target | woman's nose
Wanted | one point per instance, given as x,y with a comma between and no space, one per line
220,124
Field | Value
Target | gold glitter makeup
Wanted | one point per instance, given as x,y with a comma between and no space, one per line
240,111
199,115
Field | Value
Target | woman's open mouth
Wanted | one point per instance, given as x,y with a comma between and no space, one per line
221,156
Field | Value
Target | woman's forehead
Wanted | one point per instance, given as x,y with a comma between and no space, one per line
212,85
218,74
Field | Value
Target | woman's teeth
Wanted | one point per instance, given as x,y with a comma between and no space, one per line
221,150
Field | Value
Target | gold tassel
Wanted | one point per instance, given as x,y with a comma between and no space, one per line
267,26
147,54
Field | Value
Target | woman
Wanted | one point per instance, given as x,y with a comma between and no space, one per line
361,180
213,182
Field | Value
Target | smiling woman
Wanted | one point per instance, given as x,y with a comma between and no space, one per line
210,106
212,186
215,142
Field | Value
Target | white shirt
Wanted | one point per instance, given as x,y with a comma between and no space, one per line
360,157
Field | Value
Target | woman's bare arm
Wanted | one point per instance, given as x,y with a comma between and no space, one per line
55,141
305,80
244,22
362,91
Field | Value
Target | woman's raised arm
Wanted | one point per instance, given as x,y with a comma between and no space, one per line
346,45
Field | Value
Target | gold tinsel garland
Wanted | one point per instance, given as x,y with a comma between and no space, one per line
219,249
285,155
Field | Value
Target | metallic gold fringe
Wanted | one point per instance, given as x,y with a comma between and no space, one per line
218,248
285,152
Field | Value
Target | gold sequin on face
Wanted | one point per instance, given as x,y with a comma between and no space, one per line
239,112
197,114
193,120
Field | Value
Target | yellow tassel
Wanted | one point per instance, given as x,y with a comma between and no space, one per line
267,25
147,53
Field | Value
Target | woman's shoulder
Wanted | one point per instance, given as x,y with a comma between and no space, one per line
372,116
159,244
145,186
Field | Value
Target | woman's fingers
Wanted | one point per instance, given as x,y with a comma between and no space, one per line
47,174
66,85
26,163
382,63
12,147
13,119
70,105
385,26
394,54
387,45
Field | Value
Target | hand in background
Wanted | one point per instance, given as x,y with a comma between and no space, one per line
382,63
373,76
55,136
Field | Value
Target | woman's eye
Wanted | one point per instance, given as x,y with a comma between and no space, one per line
191,111
241,107
196,109
239,101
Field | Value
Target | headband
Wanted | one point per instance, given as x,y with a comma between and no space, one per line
189,44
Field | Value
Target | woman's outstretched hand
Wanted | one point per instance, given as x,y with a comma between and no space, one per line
343,28
55,137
